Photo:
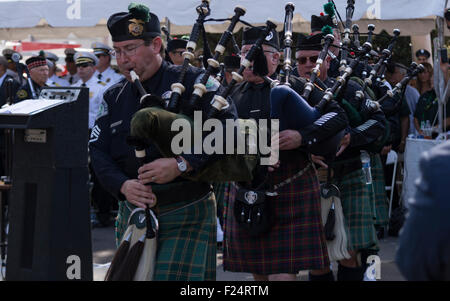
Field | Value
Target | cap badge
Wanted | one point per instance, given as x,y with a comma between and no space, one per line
136,27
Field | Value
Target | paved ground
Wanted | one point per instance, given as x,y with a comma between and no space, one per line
103,250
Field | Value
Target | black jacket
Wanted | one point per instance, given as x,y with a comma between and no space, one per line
113,160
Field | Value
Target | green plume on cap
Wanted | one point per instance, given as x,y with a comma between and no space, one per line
140,11
329,9
42,53
327,29
185,37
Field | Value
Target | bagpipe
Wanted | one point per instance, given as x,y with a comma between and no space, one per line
153,123
287,42
285,99
178,88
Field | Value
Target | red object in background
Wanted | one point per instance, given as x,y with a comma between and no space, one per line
36,46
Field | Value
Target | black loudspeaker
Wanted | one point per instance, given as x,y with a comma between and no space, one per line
50,234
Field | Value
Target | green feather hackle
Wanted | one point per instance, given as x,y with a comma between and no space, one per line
327,29
139,11
329,9
42,53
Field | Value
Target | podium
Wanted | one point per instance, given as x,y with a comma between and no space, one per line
50,233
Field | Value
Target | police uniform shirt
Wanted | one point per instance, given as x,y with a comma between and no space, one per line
71,79
14,75
25,92
113,160
109,76
95,89
56,81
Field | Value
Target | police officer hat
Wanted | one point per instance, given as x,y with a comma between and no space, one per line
137,23
311,42
423,52
7,53
232,62
49,55
85,57
318,22
36,61
176,44
251,34
100,48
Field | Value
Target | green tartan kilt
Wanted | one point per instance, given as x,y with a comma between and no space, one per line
379,188
358,205
186,240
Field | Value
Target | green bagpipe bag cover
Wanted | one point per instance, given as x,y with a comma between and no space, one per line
153,125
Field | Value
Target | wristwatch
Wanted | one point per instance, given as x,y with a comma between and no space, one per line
181,164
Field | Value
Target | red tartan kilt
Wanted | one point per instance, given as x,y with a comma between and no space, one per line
296,242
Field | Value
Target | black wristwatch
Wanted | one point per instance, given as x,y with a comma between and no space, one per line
182,166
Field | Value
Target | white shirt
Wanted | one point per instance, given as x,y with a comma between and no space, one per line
56,81
96,89
68,76
109,76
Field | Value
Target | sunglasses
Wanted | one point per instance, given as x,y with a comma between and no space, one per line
84,65
312,59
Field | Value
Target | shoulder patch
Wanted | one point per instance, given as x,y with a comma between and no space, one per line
94,134
22,94
102,110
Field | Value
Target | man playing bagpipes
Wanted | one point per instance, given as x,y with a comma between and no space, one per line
294,238
186,209
356,196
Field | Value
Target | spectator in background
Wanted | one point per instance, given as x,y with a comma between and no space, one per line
53,79
12,67
424,244
422,56
37,66
427,105
175,49
4,76
85,63
398,116
232,64
71,77
104,72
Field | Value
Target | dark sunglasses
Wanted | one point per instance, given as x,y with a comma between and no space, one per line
84,65
312,59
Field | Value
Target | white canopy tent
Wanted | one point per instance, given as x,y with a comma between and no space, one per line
86,19
86,13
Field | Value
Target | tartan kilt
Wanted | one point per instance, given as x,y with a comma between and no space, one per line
358,205
296,241
379,188
186,240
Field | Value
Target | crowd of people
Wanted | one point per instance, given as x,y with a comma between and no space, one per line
187,209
